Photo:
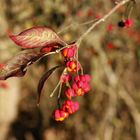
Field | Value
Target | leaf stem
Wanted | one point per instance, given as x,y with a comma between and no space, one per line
58,84
60,88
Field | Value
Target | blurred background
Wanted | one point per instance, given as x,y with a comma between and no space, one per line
110,54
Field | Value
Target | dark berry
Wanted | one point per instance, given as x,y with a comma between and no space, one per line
121,24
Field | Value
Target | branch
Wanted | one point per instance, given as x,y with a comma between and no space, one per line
102,20
95,23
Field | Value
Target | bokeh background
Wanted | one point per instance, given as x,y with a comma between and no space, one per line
110,54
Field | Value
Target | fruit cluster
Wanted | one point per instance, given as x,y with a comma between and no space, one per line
77,84
79,87
68,107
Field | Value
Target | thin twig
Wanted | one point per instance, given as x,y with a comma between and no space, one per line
59,84
60,89
101,20
51,95
77,24
57,51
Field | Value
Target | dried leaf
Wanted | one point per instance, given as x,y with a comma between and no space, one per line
17,66
37,37
43,80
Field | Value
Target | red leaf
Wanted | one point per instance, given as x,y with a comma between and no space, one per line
37,37
17,66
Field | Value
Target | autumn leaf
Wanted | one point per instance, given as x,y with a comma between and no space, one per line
17,66
37,37
43,79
